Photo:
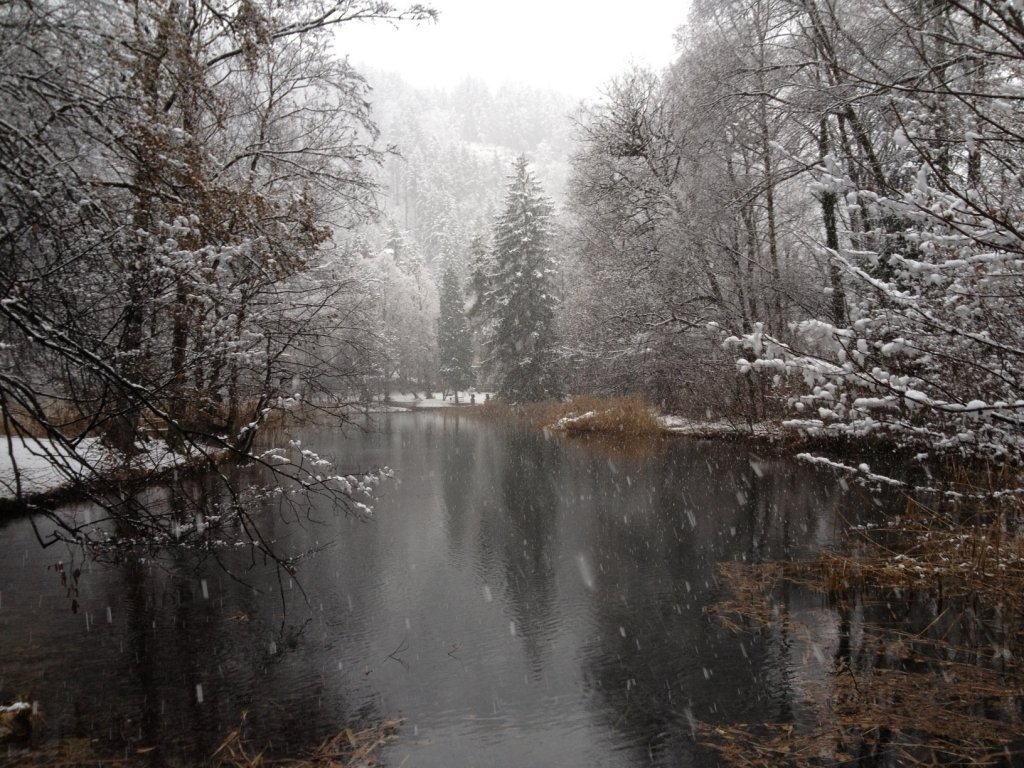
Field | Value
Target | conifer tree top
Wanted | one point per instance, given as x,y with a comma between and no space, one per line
521,295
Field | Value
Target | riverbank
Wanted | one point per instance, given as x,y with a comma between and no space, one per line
771,431
583,414
404,401
872,460
36,471
626,415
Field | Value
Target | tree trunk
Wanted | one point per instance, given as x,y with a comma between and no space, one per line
828,213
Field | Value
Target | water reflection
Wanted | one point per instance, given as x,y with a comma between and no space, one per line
524,528
519,599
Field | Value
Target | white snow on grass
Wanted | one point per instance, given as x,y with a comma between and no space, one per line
43,466
567,421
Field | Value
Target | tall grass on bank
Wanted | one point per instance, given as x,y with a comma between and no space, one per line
584,414
68,419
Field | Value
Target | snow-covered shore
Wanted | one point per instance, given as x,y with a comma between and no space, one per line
38,467
41,466
31,467
406,402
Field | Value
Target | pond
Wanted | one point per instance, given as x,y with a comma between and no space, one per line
517,599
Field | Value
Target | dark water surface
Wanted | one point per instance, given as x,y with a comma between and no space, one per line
519,600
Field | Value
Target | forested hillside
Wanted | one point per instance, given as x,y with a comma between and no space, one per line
442,188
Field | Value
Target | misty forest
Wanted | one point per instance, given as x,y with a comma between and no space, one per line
351,422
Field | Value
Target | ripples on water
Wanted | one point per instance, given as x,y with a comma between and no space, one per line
519,600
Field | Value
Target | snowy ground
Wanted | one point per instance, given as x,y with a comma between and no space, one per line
44,467
37,462
404,400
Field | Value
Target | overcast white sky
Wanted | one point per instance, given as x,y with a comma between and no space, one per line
574,46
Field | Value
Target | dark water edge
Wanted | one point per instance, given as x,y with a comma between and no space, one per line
518,599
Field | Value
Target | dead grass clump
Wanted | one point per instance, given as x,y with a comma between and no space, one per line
750,587
981,563
347,749
15,721
540,414
69,753
492,410
975,478
960,714
628,415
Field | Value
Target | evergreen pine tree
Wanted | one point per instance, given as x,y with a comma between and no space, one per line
521,299
480,265
454,338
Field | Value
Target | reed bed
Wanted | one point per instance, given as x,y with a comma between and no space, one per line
924,665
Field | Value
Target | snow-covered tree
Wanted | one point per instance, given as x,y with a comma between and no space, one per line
930,355
454,337
404,309
171,175
657,245
836,187
521,297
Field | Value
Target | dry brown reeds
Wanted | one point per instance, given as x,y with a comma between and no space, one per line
948,693
492,410
627,415
67,417
348,748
